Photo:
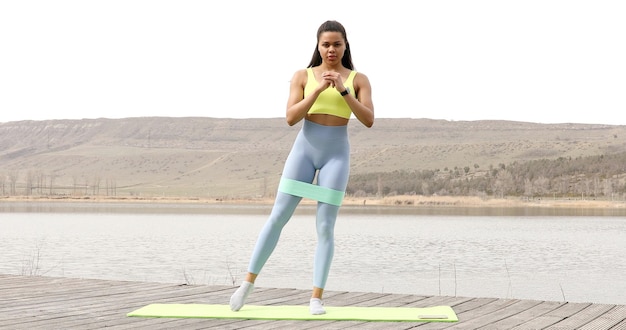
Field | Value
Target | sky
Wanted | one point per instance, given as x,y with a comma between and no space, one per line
543,61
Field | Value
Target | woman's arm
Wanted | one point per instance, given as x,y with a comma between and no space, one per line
297,104
363,107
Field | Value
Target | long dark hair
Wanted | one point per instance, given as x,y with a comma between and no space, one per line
332,26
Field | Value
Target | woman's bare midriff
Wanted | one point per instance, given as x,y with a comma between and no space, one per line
327,120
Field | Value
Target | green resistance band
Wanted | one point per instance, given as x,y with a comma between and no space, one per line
308,190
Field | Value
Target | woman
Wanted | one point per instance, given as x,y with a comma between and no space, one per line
324,95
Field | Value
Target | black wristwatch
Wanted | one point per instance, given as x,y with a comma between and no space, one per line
346,92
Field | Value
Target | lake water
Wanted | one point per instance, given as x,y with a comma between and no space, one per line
576,255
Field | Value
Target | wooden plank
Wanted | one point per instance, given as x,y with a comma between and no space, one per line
473,304
58,312
196,295
64,303
520,318
581,318
78,292
488,321
552,317
619,326
475,318
86,299
607,320
75,307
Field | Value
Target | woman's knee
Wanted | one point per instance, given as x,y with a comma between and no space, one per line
326,228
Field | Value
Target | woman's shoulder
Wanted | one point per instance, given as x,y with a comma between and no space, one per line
361,81
300,77
301,73
360,76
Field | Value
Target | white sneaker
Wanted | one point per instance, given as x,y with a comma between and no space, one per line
238,299
316,306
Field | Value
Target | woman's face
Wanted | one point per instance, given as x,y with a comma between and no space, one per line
331,46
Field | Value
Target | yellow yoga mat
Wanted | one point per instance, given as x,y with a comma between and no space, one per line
256,312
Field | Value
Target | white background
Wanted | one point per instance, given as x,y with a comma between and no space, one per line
546,61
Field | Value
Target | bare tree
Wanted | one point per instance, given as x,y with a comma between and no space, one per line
39,181
3,180
96,185
541,185
504,183
29,183
13,176
74,184
111,188
529,189
607,187
51,188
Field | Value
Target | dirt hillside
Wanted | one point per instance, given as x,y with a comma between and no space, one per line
243,158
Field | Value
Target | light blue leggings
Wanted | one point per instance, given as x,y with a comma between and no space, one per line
321,149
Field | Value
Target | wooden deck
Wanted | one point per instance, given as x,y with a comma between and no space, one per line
35,302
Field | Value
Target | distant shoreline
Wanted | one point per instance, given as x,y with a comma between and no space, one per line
396,201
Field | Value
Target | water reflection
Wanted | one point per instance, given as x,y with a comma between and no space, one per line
211,208
566,254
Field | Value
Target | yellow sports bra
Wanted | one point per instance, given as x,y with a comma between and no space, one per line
330,101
